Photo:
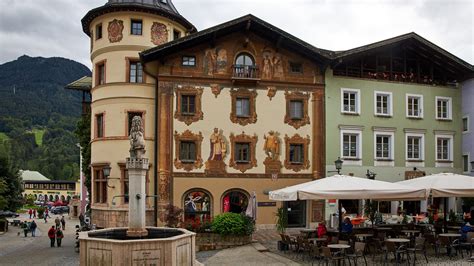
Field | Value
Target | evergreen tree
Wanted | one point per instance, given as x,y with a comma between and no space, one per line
10,185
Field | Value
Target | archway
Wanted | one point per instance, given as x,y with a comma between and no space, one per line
235,200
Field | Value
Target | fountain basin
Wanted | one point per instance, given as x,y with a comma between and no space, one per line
162,246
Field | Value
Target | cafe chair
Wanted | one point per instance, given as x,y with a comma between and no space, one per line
329,257
420,247
397,252
359,248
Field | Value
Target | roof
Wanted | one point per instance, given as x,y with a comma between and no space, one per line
82,84
166,10
28,175
412,36
249,23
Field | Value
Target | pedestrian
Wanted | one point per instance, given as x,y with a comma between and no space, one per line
24,225
33,226
30,212
59,236
57,222
46,212
52,235
45,218
81,219
34,213
63,223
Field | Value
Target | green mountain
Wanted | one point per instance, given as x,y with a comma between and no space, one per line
38,116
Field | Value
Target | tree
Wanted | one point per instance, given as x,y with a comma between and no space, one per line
12,188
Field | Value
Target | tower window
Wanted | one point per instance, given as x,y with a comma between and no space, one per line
98,31
136,27
176,34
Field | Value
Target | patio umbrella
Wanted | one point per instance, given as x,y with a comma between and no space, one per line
347,187
252,207
444,185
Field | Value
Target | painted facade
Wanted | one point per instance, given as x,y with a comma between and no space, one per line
467,127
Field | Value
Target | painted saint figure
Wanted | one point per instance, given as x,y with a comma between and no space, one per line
267,67
218,146
271,145
277,66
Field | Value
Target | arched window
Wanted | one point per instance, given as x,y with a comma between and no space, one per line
63,199
197,206
244,66
235,201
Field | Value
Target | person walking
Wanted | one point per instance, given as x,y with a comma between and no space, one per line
33,226
52,235
59,237
30,212
63,223
57,222
24,225
34,213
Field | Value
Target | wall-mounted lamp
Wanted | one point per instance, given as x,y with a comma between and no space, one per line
106,172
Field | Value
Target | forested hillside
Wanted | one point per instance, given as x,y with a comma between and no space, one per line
38,116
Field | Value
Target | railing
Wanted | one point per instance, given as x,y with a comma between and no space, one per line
245,72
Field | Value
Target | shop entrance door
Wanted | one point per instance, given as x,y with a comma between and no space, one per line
296,213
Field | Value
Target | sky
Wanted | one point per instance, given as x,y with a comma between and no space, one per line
50,28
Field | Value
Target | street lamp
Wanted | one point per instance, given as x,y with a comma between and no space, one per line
106,172
338,164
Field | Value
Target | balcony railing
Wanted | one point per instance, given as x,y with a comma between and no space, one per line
245,72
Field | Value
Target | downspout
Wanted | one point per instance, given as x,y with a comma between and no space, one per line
155,150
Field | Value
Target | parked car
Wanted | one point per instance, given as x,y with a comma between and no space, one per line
60,210
9,214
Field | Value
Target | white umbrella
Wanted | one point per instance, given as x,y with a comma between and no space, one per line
444,185
347,187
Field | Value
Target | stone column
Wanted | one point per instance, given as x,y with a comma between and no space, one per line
137,169
164,148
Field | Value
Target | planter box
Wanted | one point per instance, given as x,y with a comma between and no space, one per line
213,241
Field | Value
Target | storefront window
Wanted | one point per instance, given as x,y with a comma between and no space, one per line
234,201
197,206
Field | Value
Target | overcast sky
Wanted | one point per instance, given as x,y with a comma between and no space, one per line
52,27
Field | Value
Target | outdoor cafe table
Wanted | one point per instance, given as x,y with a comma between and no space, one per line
398,242
364,236
308,232
317,240
342,247
450,236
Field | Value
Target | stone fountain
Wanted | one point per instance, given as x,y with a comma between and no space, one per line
137,244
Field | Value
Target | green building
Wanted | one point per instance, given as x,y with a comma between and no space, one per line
394,108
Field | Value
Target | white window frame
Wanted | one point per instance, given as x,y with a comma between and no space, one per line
449,101
468,163
420,105
391,143
389,103
357,99
450,148
468,124
422,148
351,160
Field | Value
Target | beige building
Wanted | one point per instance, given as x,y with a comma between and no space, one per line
236,109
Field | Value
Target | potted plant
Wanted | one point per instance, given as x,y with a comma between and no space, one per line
282,220
370,210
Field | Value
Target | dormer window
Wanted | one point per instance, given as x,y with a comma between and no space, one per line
244,66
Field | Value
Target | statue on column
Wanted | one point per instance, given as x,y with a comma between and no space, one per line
137,141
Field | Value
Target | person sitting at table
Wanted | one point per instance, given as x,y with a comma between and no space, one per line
347,226
322,230
466,228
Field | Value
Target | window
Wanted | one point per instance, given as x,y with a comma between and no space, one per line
349,143
443,108
382,147
189,61
242,107
100,186
244,66
176,34
296,67
235,201
465,163
100,73
99,125
296,109
414,106
465,124
98,31
135,74
130,116
187,152
443,147
242,152
188,104
414,148
197,207
242,156
383,103
136,27
296,153
350,99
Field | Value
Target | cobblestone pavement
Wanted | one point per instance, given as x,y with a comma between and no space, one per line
17,250
269,239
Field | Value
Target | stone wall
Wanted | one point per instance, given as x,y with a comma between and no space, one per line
115,218
213,241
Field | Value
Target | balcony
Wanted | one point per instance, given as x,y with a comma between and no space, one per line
245,74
